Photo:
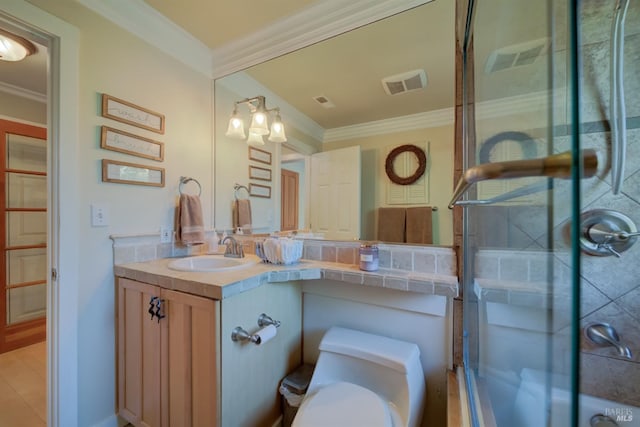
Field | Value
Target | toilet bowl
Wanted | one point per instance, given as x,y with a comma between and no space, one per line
365,380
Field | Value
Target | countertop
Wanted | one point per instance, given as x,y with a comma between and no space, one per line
224,284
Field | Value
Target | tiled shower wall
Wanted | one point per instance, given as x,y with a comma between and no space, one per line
610,286
617,280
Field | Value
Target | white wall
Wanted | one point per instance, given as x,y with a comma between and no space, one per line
232,166
422,319
114,62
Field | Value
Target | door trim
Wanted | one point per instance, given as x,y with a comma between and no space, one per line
63,207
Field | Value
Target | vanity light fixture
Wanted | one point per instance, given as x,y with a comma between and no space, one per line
14,48
259,126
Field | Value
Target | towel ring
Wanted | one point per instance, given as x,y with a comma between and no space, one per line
186,179
238,187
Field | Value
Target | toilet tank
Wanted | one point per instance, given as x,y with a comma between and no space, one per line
389,367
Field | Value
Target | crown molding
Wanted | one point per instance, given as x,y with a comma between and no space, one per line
316,23
536,101
396,124
23,93
151,26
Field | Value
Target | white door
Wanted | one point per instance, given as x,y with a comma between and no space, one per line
335,193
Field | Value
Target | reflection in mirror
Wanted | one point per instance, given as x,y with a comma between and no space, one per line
346,103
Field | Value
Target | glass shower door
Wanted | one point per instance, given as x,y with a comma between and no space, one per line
522,158
23,264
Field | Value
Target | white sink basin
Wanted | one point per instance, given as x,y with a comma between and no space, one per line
212,263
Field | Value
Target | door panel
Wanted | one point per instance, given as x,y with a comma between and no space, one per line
26,265
335,193
26,191
26,303
290,200
23,234
26,228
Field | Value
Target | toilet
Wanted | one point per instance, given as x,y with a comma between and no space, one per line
364,380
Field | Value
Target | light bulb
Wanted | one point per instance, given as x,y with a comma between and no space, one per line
236,126
277,131
259,124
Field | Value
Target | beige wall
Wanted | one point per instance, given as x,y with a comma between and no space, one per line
439,170
16,107
115,62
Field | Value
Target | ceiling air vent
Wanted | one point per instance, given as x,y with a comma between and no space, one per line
516,55
405,82
324,101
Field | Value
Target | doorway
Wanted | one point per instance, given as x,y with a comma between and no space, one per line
290,190
25,227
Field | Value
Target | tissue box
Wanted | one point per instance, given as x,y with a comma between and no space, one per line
282,251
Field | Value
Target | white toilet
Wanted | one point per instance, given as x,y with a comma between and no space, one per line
364,380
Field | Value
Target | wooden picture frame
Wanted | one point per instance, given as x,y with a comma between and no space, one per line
257,190
131,114
125,142
131,173
261,174
259,155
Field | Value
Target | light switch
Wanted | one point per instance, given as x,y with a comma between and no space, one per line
99,215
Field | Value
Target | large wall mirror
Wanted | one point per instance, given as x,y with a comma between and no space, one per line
346,103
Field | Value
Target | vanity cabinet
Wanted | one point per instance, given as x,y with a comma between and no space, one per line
168,362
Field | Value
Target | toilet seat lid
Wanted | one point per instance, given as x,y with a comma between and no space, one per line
344,405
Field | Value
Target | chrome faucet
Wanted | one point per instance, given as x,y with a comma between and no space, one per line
603,334
234,249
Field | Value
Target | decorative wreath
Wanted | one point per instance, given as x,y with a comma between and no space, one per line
422,164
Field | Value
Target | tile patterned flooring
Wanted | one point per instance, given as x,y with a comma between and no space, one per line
23,387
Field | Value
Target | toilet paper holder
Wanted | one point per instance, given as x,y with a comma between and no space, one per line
240,334
264,320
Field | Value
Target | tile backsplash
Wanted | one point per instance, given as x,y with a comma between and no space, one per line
417,259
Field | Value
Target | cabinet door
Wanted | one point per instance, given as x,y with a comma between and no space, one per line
138,354
190,360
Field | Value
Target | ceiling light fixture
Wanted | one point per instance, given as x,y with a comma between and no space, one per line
14,48
259,126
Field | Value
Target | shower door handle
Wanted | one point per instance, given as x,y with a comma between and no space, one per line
617,115
556,166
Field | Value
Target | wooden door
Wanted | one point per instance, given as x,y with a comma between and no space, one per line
190,361
139,349
289,200
335,193
23,234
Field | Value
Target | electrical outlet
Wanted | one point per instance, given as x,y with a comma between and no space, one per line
166,235
99,215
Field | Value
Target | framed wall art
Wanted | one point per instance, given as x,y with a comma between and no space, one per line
125,142
262,174
259,155
132,114
131,173
257,190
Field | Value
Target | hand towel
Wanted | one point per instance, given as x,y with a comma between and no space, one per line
419,225
189,224
242,215
391,223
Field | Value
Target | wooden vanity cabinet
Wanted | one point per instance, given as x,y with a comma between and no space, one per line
168,366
